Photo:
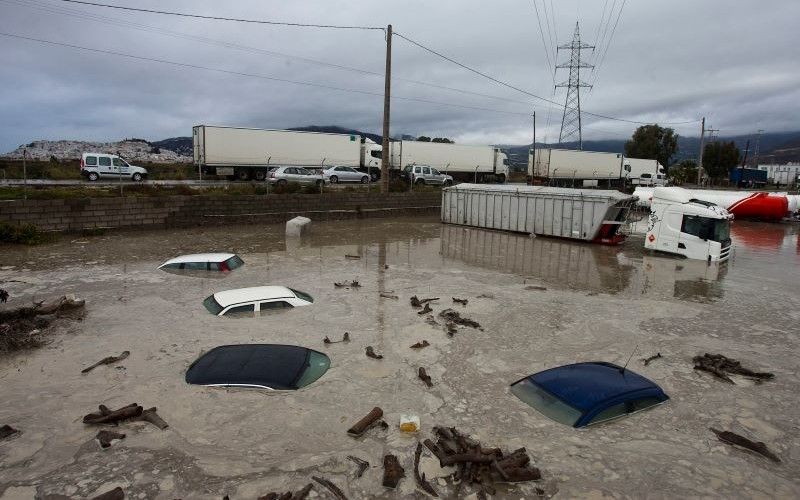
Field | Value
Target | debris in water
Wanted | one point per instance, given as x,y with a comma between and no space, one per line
363,465
371,353
463,302
24,327
486,296
353,257
420,478
392,471
3,295
365,423
388,295
107,361
150,415
115,494
331,487
298,495
348,284
721,366
345,338
417,302
454,317
7,431
478,466
431,321
536,287
106,437
106,416
420,345
652,358
409,423
426,309
451,328
734,439
423,375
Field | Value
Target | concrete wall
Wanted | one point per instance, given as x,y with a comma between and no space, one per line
185,211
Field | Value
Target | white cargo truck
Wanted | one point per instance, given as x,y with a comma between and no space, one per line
567,167
248,153
644,172
683,225
462,162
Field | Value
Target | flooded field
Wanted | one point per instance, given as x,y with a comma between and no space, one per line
598,303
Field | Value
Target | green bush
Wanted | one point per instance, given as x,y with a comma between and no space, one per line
25,234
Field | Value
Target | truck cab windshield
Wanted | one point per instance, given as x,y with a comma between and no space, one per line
706,227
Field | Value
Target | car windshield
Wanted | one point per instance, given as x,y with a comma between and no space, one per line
544,402
706,227
234,262
316,366
212,305
407,169
302,295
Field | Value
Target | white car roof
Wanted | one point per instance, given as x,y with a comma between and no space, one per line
199,257
239,295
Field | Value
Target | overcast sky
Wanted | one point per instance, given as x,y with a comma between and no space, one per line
733,62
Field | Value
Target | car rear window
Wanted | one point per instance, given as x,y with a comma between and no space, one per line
545,403
302,295
91,161
234,262
212,305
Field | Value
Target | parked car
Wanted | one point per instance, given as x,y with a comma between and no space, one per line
247,301
588,393
284,175
263,366
423,174
97,165
344,174
221,262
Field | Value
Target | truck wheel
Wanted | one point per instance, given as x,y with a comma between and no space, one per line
364,180
334,179
261,175
243,174
93,176
137,177
501,179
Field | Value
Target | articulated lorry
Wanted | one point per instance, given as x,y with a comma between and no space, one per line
463,163
248,153
568,167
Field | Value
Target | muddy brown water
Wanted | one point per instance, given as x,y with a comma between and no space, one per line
599,304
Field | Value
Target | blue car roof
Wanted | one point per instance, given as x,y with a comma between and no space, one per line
585,386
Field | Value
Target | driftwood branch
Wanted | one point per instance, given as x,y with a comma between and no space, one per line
423,375
734,439
338,493
106,437
363,465
365,423
107,361
422,482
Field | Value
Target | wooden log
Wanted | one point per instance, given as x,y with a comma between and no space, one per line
365,423
393,472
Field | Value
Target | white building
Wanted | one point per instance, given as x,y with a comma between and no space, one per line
786,174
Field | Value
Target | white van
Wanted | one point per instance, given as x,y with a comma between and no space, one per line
97,165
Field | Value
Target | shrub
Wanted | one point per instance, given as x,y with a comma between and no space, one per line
26,234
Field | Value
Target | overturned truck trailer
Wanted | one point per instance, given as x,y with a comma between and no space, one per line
581,214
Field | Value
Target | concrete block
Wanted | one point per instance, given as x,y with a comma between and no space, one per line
298,226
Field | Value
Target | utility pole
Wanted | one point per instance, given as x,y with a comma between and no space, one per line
571,120
758,141
24,174
746,150
533,150
702,146
386,108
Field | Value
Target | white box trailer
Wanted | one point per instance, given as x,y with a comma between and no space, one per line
246,153
573,167
582,214
463,162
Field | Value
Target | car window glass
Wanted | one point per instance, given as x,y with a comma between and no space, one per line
417,170
303,171
118,162
302,295
104,161
212,305
426,171
339,169
196,266
316,366
91,161
245,310
290,171
274,305
643,403
615,411
545,402
234,262
435,172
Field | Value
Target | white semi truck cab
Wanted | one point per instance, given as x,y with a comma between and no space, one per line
680,224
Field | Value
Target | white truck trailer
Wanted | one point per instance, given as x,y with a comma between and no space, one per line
464,163
567,167
248,153
644,172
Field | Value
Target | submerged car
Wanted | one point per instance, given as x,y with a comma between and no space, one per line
222,262
247,301
263,366
588,393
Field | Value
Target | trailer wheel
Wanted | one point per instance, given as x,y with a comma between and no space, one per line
501,179
243,174
261,175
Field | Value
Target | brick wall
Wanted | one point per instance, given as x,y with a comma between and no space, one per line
183,211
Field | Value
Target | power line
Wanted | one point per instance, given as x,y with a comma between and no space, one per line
219,18
245,48
505,84
254,75
544,43
608,44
